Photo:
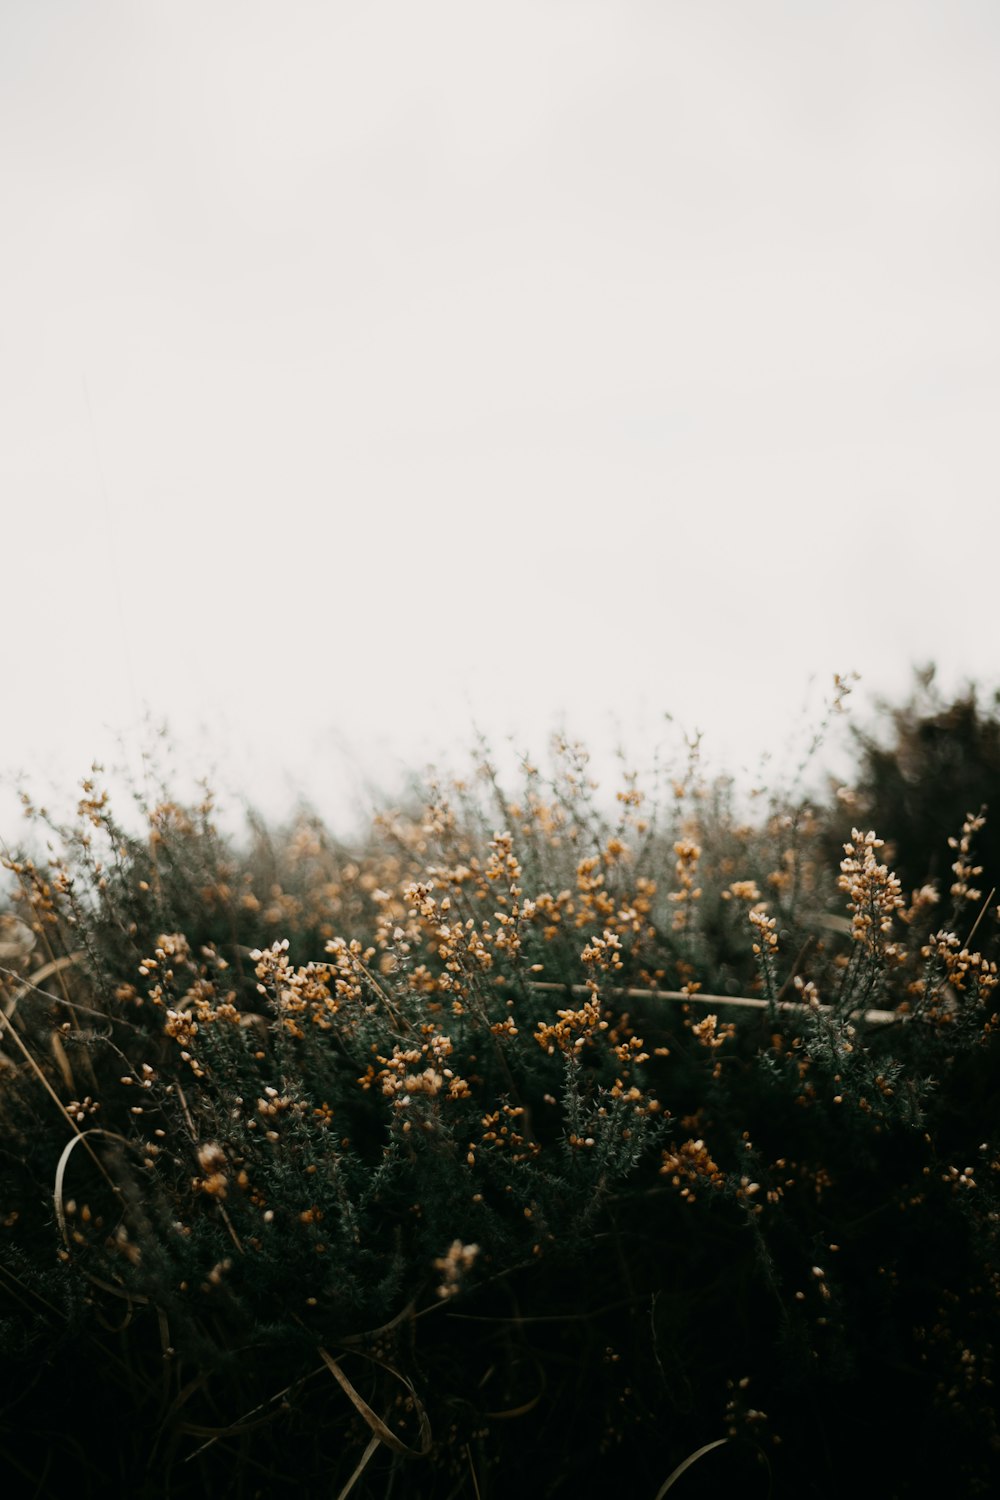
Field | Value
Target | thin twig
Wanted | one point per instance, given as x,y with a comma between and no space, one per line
982,914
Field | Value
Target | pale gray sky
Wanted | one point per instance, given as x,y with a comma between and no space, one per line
367,368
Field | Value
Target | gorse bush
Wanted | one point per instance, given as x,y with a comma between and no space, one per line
534,1142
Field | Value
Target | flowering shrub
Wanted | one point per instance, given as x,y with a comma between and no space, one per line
608,1137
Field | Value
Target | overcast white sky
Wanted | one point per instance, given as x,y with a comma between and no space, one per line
367,368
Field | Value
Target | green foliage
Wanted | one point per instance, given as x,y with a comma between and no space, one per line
529,1127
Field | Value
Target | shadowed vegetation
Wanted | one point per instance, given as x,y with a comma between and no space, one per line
536,1140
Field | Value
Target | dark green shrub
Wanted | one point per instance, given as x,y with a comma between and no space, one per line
938,762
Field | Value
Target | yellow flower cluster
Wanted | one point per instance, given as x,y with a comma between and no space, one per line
873,892
688,854
962,969
691,1167
422,1069
963,869
298,995
765,928
212,1160
500,1130
572,1029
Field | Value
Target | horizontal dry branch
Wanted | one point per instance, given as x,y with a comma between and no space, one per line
750,1002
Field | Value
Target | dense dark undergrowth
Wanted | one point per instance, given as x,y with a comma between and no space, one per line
532,1141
